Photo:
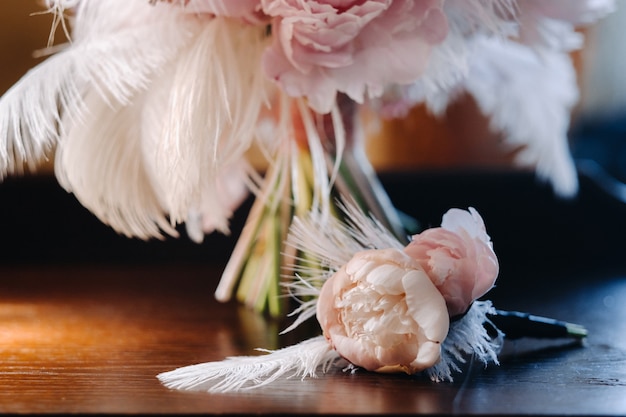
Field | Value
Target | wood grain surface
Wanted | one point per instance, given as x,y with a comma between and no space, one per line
91,338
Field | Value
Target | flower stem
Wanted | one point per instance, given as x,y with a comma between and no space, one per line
515,325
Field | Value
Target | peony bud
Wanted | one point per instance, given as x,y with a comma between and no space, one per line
458,257
381,312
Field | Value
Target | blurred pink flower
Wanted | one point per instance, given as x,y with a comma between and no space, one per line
381,312
352,46
458,257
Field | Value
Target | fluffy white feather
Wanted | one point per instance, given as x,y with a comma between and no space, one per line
100,161
210,118
116,46
552,24
304,359
468,337
536,123
537,61
448,64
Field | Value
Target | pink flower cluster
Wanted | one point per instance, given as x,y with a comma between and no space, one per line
389,310
357,47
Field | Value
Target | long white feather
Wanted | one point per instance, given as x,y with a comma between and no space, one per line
213,105
537,123
302,360
116,46
101,162
552,24
448,64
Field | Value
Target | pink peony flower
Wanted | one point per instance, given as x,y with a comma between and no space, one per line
381,312
458,257
357,47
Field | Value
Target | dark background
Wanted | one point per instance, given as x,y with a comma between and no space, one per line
530,226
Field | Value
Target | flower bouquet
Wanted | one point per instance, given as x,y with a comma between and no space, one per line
152,108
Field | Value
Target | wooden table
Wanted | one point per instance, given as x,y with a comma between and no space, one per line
89,318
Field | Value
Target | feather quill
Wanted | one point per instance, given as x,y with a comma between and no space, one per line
304,359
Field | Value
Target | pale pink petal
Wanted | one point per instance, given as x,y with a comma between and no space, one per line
458,257
381,312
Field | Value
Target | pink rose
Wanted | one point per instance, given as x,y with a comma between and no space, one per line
458,257
356,47
381,312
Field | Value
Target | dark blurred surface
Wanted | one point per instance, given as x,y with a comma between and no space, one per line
530,226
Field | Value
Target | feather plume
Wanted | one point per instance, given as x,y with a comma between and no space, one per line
448,64
536,123
100,161
302,360
116,46
329,243
211,115
468,336
552,25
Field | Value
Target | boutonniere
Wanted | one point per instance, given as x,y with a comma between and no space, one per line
383,306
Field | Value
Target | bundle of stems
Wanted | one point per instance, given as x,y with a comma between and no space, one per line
322,162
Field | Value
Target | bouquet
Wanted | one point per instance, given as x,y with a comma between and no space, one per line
153,107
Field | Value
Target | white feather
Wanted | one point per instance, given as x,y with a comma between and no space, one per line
116,46
101,162
213,105
219,198
533,111
448,65
466,337
329,243
246,372
552,24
